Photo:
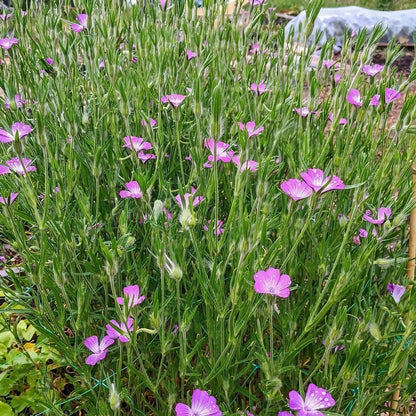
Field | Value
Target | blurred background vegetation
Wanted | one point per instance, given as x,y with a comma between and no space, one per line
297,5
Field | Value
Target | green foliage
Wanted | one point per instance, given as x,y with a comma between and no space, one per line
81,245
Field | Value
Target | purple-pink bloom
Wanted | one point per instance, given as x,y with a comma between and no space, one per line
341,120
337,78
285,413
391,95
8,200
219,151
120,330
174,99
316,399
197,200
190,55
132,295
151,121
272,282
316,179
2,258
363,233
7,43
21,129
296,189
251,128
375,101
15,165
136,143
144,157
17,99
372,70
354,98
5,16
382,215
251,165
163,5
99,349
216,229
330,64
259,89
49,61
256,2
82,19
304,111
133,191
397,291
202,405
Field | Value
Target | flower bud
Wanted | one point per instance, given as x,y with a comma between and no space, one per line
114,398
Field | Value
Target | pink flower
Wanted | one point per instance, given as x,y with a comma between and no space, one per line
99,349
20,128
219,151
190,55
259,89
296,189
202,405
120,330
138,143
341,120
8,200
15,165
132,295
174,99
372,70
254,49
391,95
151,121
316,399
256,2
285,413
134,190
196,201
144,157
7,43
362,233
82,19
375,101
251,128
163,5
251,165
272,282
304,111
316,179
17,99
49,61
354,98
216,229
5,16
382,215
397,291
337,78
330,64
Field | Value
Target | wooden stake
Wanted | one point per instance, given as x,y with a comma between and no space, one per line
410,270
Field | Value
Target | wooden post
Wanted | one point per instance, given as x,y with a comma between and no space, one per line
410,270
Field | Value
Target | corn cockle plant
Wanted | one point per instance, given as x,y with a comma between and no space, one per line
142,228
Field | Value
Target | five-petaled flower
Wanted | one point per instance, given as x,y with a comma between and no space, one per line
8,200
7,43
304,111
136,143
99,349
219,151
372,70
202,405
82,19
391,95
132,296
316,399
316,179
190,55
382,215
16,165
397,291
272,282
21,129
251,128
174,99
259,89
296,189
354,98
197,200
120,330
133,191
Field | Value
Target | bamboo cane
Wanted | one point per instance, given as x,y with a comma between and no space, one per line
410,270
